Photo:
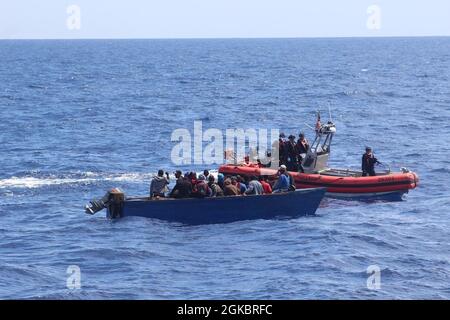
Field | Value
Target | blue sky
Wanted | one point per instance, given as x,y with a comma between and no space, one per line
222,18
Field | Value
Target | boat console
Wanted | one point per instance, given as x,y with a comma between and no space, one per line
316,159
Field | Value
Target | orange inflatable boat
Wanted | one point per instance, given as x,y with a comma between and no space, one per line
340,183
345,184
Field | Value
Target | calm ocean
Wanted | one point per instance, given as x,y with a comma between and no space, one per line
80,117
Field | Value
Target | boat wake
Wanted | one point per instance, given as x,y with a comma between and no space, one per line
31,182
83,178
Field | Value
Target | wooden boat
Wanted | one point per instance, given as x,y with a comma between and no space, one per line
211,210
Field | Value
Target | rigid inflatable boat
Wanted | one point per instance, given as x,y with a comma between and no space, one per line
343,184
339,183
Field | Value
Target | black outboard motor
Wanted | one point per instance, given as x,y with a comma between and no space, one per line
95,206
113,200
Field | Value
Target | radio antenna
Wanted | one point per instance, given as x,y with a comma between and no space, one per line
329,111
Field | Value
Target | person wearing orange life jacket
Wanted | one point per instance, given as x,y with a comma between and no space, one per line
201,188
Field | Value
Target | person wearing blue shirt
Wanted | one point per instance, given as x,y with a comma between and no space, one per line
282,184
241,185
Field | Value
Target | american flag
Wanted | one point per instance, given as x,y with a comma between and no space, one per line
318,124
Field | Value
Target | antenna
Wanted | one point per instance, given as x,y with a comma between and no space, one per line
329,111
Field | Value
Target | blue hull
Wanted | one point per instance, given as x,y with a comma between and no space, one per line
226,209
391,196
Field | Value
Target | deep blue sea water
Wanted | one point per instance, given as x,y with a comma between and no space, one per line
80,117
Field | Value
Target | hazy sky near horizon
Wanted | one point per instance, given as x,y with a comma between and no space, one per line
48,19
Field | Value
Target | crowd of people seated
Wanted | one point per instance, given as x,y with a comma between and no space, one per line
191,185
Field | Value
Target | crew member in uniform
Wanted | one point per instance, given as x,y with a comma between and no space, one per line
368,163
291,151
302,150
282,150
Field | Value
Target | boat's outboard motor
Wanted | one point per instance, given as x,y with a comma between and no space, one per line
115,203
95,206
113,200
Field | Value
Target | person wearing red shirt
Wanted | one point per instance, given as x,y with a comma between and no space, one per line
266,186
